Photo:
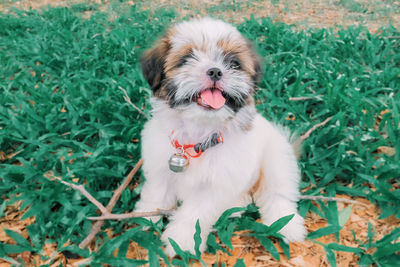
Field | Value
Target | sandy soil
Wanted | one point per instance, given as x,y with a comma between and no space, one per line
301,13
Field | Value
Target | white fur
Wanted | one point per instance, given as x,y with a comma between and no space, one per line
198,30
223,175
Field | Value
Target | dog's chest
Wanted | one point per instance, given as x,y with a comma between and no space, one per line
225,167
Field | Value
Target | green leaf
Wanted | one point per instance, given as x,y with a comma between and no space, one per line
179,251
330,256
324,231
111,245
222,219
226,234
9,249
339,247
344,215
153,259
370,234
393,236
285,247
19,239
34,235
2,208
197,240
213,246
279,224
268,245
179,262
239,263
387,250
388,261
365,260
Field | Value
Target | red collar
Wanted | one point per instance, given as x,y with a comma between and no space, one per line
197,149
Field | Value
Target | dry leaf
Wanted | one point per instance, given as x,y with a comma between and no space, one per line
387,150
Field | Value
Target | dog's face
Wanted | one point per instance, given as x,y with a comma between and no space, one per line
203,67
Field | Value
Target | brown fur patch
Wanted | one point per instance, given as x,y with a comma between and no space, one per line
153,62
243,51
174,57
258,184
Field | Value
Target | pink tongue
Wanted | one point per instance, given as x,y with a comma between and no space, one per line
213,98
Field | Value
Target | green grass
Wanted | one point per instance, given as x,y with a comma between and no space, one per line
62,111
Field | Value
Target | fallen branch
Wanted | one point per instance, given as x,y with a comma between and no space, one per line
169,212
96,227
133,215
128,99
307,134
337,199
81,189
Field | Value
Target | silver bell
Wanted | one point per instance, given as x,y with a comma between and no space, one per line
178,163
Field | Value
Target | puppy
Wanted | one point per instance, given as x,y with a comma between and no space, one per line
205,144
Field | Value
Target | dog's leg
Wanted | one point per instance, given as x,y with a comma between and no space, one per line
278,193
155,194
204,206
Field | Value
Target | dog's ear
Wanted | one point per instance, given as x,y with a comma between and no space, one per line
257,64
258,69
153,62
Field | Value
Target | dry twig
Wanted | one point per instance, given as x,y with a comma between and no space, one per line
301,98
106,211
307,134
81,189
133,214
127,99
96,227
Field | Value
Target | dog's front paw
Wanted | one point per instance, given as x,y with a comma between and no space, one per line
294,231
183,235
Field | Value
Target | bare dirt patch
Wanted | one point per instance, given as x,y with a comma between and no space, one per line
303,14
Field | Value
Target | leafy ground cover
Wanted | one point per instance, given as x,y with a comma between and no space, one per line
62,111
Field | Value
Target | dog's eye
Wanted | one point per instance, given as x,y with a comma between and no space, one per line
183,60
234,64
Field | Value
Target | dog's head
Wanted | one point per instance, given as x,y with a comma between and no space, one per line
203,67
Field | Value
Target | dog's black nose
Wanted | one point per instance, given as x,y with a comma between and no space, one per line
215,74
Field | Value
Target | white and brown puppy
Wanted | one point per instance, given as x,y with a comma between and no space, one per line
203,74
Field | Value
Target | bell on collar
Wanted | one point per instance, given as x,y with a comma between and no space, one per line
178,163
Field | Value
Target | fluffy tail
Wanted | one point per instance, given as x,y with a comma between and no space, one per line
297,146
